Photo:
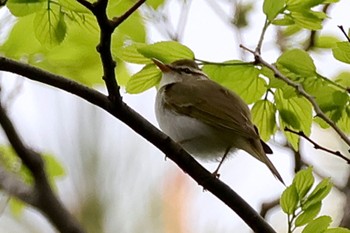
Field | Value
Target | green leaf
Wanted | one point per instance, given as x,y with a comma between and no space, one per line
308,19
272,8
303,181
264,117
21,8
298,61
344,121
154,3
342,51
343,79
303,4
318,194
130,54
285,21
74,5
337,230
289,200
148,77
294,113
244,80
326,41
49,26
308,214
167,51
318,225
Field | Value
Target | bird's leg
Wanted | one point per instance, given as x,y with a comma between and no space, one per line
216,172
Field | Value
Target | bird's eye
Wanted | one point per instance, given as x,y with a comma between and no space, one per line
187,70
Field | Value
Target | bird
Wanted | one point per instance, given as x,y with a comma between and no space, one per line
207,119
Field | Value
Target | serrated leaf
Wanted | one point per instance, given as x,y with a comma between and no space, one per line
342,51
242,79
308,215
295,113
49,26
146,78
264,117
289,200
271,8
308,19
303,181
298,61
167,51
130,54
337,230
21,8
318,225
319,193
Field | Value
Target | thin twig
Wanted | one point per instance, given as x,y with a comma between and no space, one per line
317,146
262,35
299,88
343,31
118,20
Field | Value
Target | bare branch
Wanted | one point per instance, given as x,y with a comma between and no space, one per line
42,195
141,126
317,146
343,31
299,88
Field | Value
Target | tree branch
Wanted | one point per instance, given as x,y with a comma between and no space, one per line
118,20
104,47
41,196
317,146
141,126
299,88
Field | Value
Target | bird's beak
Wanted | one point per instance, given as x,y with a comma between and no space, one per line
163,67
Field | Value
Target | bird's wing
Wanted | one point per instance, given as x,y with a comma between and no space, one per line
224,109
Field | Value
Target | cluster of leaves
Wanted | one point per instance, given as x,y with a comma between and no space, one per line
53,38
302,203
12,163
295,12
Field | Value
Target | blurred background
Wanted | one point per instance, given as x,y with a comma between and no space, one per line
115,181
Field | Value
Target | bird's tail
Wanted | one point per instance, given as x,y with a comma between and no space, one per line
256,149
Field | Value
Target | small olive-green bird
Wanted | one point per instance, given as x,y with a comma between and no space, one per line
207,119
